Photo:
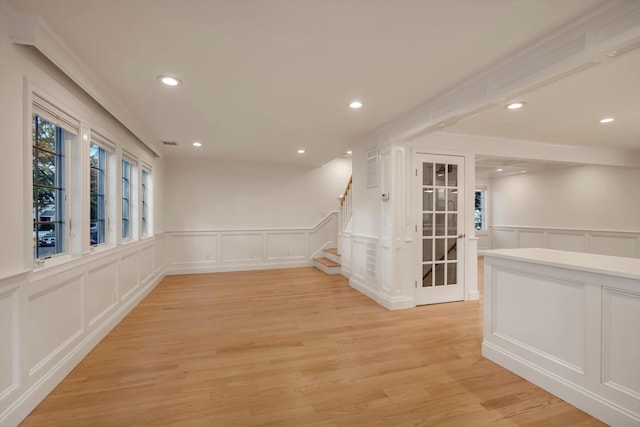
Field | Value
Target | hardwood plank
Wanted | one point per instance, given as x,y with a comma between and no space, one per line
293,348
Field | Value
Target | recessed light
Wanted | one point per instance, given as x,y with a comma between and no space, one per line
169,81
499,170
301,151
197,144
607,120
523,171
355,105
515,105
349,152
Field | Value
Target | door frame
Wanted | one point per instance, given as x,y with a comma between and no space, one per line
462,255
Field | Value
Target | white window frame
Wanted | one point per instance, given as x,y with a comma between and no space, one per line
51,112
146,201
109,148
133,197
485,216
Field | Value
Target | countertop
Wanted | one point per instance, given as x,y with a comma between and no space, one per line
593,263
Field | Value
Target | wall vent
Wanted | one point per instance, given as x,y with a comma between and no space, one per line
169,143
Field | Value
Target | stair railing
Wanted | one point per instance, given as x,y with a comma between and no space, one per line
346,204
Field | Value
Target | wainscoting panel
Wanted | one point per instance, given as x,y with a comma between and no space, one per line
128,279
484,239
55,318
208,251
359,258
345,252
531,239
193,248
364,274
146,264
50,318
324,235
8,340
286,245
101,292
615,245
504,239
603,242
385,266
242,247
576,242
620,361
555,309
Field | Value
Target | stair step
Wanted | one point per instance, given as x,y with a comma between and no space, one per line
326,262
333,251
327,265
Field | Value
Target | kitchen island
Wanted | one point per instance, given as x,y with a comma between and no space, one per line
568,322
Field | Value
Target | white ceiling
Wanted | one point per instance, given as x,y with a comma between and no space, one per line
263,78
490,167
568,111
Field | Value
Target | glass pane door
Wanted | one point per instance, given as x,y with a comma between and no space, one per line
441,216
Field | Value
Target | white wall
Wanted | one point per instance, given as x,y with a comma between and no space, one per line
203,194
51,317
581,197
582,208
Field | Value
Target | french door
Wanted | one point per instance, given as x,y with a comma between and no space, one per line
440,229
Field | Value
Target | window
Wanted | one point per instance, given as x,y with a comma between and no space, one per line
126,200
145,203
48,187
97,193
481,209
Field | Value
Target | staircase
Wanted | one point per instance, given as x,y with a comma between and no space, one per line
330,262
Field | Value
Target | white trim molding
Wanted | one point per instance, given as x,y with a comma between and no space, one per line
597,241
33,31
208,251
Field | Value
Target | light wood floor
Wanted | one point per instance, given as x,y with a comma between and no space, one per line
294,348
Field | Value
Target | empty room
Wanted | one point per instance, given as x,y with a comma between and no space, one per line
320,212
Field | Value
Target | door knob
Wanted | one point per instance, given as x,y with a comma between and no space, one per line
461,236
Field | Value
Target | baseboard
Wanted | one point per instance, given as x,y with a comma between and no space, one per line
202,269
473,295
397,303
26,403
362,287
577,396
388,302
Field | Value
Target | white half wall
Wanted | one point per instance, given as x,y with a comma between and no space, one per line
567,322
50,319
207,251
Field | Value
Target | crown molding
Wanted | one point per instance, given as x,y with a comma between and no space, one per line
584,43
33,31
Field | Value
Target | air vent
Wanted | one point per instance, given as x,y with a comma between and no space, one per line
169,143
